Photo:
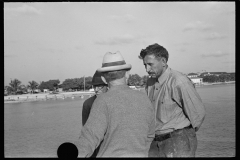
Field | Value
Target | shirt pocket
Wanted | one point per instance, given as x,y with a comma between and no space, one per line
167,109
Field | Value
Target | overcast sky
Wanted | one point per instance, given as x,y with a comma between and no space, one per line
44,41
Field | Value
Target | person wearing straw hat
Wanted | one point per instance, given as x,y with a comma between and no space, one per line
122,118
99,87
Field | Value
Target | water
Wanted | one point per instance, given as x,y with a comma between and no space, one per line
36,129
216,137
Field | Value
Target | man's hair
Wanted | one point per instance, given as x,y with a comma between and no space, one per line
154,49
113,75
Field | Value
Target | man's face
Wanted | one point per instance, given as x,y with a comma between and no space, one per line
154,66
100,89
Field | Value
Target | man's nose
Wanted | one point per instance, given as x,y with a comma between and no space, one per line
148,68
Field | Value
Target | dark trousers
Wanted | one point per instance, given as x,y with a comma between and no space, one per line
182,143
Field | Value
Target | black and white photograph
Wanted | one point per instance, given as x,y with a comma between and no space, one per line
119,79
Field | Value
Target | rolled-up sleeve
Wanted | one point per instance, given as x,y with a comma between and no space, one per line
93,131
191,102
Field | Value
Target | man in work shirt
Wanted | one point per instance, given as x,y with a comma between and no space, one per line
99,87
122,117
178,107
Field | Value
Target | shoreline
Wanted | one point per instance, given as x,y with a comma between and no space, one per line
44,96
215,83
62,95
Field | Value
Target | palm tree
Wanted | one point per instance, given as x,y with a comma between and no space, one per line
6,90
23,88
55,87
14,86
32,85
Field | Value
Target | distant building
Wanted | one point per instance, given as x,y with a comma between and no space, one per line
213,73
133,87
35,90
192,75
195,77
60,89
197,80
218,73
91,90
45,90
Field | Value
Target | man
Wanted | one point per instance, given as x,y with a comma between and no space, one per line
99,87
178,107
122,117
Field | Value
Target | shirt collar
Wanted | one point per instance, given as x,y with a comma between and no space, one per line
164,76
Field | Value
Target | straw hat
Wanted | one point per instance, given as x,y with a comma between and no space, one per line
113,62
98,79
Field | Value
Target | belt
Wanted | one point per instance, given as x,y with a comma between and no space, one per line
168,135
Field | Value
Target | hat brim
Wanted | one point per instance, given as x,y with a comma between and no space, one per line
115,68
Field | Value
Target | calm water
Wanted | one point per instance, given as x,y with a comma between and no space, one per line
36,129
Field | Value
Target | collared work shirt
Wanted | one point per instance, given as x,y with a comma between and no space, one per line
124,119
176,101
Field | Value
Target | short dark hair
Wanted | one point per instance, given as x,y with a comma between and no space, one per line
113,75
154,49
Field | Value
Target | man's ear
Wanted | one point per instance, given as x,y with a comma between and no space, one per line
127,74
164,61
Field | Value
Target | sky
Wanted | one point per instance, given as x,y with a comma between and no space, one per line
60,40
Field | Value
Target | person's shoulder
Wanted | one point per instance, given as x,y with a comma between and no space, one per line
178,77
138,94
102,96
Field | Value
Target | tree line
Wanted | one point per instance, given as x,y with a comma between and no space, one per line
83,83
220,78
16,87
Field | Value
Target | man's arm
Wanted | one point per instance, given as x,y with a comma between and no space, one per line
191,103
93,131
